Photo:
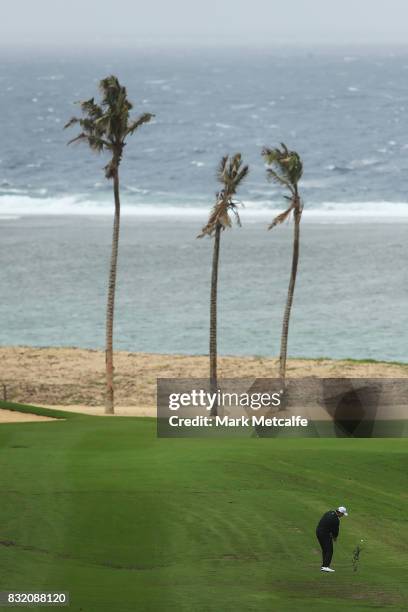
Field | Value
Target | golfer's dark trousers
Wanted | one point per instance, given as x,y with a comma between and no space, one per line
326,543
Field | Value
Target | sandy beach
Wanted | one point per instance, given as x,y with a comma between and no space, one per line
73,379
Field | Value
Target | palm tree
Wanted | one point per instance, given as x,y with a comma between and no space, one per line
230,174
105,127
286,169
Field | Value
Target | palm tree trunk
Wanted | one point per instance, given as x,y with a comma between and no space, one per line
109,399
289,300
213,316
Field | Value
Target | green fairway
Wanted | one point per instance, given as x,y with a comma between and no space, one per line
127,522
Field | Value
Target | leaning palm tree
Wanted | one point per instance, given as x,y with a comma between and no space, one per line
286,168
105,127
230,174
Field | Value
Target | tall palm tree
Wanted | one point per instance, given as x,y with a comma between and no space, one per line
286,169
230,174
105,127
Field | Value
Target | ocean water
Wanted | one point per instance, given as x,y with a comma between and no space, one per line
346,113
350,297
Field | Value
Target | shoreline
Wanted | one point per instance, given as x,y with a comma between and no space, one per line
73,379
261,215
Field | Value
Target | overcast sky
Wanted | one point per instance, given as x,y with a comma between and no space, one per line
202,22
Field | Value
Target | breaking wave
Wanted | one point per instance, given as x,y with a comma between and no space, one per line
12,205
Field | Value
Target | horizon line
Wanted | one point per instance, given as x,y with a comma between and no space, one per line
120,46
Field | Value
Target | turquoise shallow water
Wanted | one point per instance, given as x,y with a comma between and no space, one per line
350,298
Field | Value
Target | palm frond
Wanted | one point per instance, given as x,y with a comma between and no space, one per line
281,218
211,225
91,109
234,210
230,173
278,178
78,138
241,174
145,118
72,121
105,126
221,170
285,168
286,165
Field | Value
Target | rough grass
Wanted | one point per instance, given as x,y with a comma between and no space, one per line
351,360
102,508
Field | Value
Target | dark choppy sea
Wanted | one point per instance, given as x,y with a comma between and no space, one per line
346,113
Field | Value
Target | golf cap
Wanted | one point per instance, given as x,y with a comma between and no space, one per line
343,510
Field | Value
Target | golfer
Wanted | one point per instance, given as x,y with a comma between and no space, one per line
327,530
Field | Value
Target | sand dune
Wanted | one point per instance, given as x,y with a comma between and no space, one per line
74,378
